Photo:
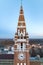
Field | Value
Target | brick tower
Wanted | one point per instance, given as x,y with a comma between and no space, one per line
21,46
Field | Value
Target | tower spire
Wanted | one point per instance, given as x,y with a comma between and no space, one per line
21,46
21,16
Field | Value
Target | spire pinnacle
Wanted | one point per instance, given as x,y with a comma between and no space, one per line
21,2
21,16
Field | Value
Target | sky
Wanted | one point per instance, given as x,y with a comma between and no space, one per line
9,13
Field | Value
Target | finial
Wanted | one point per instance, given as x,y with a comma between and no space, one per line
21,2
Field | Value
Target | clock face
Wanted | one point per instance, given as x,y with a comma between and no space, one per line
21,56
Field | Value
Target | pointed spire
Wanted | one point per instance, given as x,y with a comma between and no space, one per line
21,16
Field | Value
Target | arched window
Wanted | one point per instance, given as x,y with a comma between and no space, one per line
24,32
21,36
24,63
21,46
21,64
18,31
17,63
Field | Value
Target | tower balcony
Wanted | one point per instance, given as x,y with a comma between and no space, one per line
21,40
25,50
21,26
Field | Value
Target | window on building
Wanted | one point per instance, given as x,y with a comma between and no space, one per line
17,63
21,36
21,45
24,63
21,64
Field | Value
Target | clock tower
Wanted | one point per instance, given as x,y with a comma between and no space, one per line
21,46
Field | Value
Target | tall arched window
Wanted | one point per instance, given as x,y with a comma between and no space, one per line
21,46
18,31
24,32
21,36
17,63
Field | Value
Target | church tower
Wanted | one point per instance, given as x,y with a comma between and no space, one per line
21,46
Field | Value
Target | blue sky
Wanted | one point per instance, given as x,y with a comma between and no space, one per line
9,13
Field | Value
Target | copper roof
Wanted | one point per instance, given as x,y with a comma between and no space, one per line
21,16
